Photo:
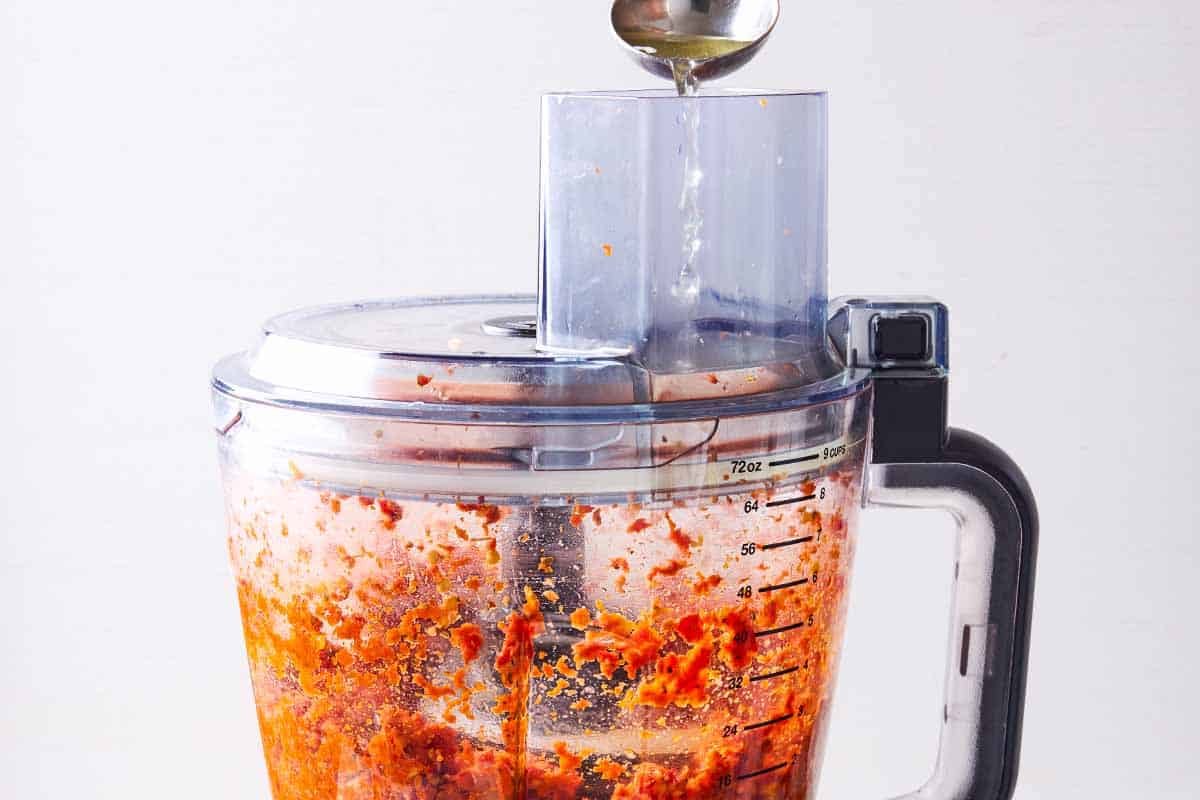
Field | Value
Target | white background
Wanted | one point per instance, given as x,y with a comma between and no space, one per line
172,173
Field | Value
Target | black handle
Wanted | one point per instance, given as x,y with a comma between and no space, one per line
987,666
919,462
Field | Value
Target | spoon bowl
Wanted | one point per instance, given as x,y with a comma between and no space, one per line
693,40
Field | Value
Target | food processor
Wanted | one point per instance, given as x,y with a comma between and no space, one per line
596,543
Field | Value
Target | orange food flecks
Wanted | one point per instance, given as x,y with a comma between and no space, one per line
680,680
690,628
609,770
578,513
490,514
581,618
391,512
738,643
468,638
432,690
514,663
619,642
667,570
366,663
678,537
567,761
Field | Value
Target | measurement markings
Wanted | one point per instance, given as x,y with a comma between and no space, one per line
773,631
768,723
788,543
787,462
771,675
791,501
777,587
750,775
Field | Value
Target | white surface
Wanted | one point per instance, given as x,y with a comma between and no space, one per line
172,173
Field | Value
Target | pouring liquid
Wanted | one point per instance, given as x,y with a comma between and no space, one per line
684,52
687,284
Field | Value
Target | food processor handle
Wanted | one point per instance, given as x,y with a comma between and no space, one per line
993,589
917,461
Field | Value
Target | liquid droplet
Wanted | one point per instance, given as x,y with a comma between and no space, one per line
685,77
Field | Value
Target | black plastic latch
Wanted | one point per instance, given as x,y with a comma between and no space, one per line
904,338
904,341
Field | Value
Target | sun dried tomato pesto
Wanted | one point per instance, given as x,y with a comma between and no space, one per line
399,650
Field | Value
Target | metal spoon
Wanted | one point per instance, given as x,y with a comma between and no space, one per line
693,40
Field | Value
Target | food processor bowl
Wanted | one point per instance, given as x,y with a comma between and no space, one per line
596,543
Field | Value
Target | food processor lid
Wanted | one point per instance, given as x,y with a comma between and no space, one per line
477,358
436,351
682,272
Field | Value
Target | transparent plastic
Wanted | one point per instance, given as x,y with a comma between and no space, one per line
686,233
460,622
989,619
433,359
